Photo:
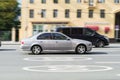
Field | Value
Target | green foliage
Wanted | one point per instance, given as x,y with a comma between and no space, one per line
9,12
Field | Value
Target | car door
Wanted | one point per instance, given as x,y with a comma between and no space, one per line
89,35
46,42
62,42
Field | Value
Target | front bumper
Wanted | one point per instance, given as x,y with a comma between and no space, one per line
89,47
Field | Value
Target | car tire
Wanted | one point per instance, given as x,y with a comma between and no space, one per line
100,44
36,50
81,49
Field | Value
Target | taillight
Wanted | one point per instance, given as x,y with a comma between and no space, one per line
22,42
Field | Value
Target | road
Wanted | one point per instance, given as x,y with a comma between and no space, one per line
99,64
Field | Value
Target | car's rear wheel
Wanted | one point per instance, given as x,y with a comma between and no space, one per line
100,44
81,49
36,50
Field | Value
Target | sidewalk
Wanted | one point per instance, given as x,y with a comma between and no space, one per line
10,43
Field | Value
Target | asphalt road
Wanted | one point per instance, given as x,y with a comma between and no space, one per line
99,64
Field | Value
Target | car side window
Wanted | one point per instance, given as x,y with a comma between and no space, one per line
88,32
45,36
77,31
57,36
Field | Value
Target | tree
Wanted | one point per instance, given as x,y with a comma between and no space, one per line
9,12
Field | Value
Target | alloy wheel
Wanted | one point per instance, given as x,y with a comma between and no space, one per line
36,50
81,49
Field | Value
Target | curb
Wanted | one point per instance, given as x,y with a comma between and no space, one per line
9,43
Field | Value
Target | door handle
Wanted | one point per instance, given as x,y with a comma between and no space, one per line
41,41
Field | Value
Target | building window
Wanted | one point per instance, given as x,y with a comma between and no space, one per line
43,1
102,13
90,13
101,1
31,1
43,13
78,1
37,28
31,13
67,1
79,13
55,1
91,2
55,13
67,13
116,1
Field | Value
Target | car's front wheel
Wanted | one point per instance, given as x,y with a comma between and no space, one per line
36,50
81,49
100,44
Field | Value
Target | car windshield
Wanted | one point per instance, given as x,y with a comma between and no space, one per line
89,32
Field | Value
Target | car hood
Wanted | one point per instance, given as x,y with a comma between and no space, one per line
80,40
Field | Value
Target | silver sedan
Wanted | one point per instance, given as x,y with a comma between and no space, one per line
54,41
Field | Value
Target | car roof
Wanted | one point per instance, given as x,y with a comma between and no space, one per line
48,32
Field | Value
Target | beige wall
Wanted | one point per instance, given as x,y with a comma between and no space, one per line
109,21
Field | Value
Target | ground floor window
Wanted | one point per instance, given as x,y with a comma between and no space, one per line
116,1
37,28
45,27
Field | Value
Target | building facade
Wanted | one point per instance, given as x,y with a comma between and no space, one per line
46,15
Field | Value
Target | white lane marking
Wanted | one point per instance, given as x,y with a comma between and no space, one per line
108,62
99,55
57,58
106,50
67,68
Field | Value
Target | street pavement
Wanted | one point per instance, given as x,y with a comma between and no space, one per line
99,64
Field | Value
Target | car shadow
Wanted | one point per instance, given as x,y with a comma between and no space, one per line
108,47
7,49
71,53
96,53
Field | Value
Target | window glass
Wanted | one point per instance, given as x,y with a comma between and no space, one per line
55,13
79,13
67,1
58,36
37,28
90,13
91,2
55,1
31,13
31,1
102,13
45,36
101,1
43,13
116,1
77,31
65,31
88,32
43,1
78,1
67,13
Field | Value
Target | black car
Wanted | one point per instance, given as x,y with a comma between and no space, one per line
85,34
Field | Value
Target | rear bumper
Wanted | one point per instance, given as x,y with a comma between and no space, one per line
25,48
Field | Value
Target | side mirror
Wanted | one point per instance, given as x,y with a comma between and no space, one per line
68,39
93,34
